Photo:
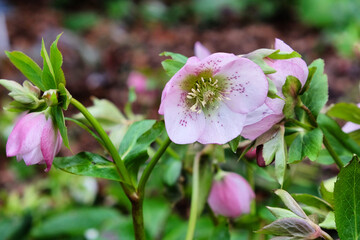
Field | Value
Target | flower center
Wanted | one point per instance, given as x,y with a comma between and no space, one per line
206,92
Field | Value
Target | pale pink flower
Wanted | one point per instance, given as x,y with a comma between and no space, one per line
270,113
138,81
201,51
230,195
208,99
34,139
350,126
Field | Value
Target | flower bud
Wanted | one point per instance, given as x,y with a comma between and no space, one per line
259,156
27,94
34,139
230,195
51,97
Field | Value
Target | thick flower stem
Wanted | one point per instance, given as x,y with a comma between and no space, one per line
124,175
138,219
194,199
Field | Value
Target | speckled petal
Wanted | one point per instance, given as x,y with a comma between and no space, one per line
247,85
255,130
182,125
222,125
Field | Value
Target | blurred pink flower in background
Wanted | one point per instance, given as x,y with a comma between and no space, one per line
34,139
208,99
270,113
230,195
138,81
350,126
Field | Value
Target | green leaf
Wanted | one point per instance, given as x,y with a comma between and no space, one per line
171,67
327,190
355,135
347,201
290,202
221,231
134,146
313,204
277,55
340,141
290,89
276,148
88,164
205,181
56,60
316,96
65,97
258,56
272,93
28,67
296,227
175,56
156,213
280,213
48,75
306,86
280,157
306,144
346,111
329,222
172,171
234,144
58,117
74,222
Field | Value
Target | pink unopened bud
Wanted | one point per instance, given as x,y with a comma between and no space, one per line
230,195
34,139
138,81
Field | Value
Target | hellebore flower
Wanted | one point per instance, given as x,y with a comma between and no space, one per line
34,139
208,99
230,195
270,113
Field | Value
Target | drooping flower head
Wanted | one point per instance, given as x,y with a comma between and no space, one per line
138,81
208,99
270,113
34,139
230,195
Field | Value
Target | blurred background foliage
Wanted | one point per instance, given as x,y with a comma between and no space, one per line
103,42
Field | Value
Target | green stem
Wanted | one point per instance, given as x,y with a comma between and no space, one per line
146,174
124,175
169,150
138,219
194,199
300,124
333,153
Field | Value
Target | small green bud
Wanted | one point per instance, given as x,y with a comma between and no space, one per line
27,94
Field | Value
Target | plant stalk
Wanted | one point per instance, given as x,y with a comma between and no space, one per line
138,219
194,199
120,166
333,153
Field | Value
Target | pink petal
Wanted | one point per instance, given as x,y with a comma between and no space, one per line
221,125
276,104
258,114
32,157
182,125
231,196
255,130
350,127
201,51
138,81
282,46
49,143
25,135
247,87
